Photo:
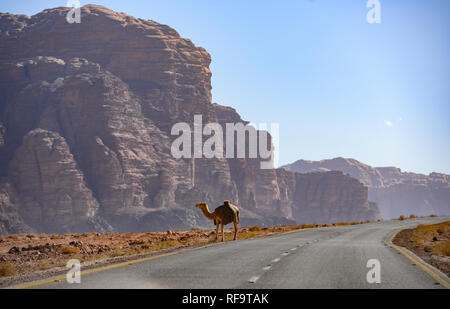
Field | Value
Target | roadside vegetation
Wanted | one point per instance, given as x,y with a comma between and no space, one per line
430,242
7,269
433,238
402,217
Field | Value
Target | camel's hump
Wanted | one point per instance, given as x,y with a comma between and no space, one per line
228,213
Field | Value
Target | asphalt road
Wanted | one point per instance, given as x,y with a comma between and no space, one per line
319,258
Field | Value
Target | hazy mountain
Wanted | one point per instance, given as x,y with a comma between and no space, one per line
396,192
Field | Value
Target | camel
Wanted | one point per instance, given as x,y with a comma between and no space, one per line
223,215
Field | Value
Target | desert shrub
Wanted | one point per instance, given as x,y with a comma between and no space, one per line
117,252
442,248
308,226
69,250
7,269
433,216
425,233
443,228
166,244
412,217
44,265
255,228
401,218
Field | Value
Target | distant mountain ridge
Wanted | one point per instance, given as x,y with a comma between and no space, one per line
396,192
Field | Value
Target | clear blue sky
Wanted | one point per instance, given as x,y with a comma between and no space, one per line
337,85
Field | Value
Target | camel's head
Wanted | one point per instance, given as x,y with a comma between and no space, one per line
201,206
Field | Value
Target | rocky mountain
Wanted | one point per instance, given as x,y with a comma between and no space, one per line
396,192
86,112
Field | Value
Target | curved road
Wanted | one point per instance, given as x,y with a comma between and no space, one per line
319,258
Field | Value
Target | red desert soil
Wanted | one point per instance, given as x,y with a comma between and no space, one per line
430,242
21,254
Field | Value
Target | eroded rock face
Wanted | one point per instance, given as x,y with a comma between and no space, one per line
53,193
396,192
10,220
86,112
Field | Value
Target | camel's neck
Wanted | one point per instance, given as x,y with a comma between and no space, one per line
207,213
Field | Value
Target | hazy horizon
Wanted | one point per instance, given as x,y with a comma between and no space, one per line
338,86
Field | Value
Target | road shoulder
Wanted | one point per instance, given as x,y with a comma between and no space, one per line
435,273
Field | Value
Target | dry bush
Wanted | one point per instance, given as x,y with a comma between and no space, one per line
255,228
244,235
442,248
341,224
69,250
433,216
166,244
426,233
117,252
401,218
7,269
412,216
308,226
44,265
443,228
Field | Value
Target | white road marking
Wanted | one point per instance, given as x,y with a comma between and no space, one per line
268,267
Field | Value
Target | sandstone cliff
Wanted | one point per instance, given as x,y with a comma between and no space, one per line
85,117
396,192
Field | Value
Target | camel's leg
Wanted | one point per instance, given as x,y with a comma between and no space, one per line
217,230
235,230
223,235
